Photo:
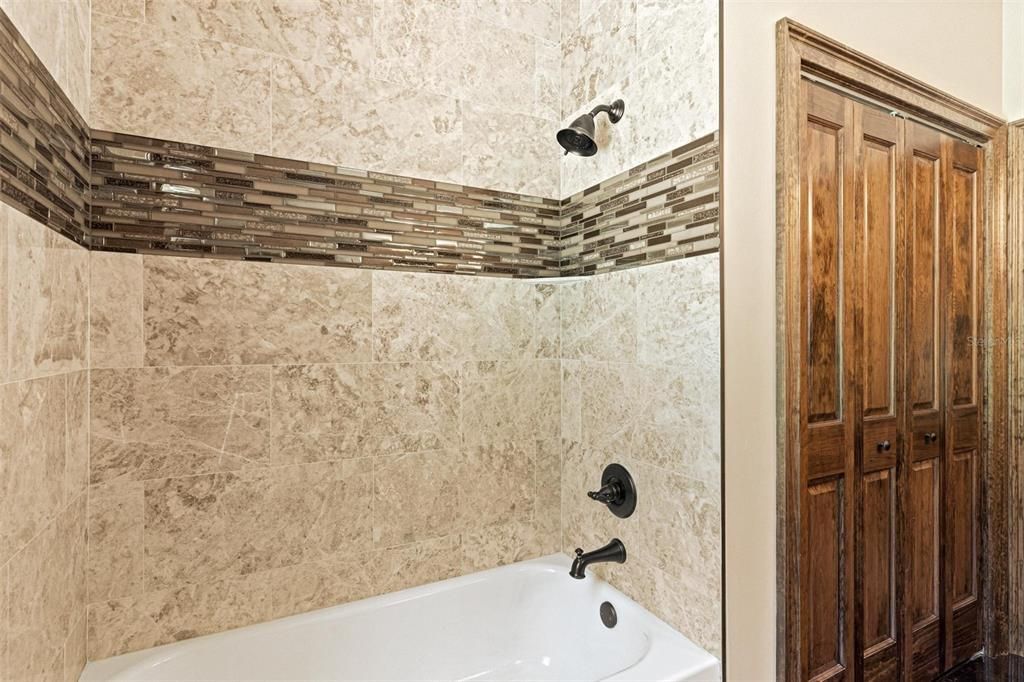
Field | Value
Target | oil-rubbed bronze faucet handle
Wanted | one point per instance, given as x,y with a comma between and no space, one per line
611,493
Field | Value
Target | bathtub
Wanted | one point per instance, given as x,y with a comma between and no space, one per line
525,621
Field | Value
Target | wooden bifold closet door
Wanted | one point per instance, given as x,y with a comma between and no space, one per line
889,394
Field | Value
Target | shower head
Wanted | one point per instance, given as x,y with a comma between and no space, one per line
578,138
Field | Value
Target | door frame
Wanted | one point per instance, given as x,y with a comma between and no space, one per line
1013,624
802,51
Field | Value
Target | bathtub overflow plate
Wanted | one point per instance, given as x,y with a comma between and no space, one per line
608,615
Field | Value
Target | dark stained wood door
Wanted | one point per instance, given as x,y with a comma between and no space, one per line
924,403
889,394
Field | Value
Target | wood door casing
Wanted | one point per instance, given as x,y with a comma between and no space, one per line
890,491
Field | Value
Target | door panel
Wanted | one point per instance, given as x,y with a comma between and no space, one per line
925,441
826,378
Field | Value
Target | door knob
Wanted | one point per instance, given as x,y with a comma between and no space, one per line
884,446
931,437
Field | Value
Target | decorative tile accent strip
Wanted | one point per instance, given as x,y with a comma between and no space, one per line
158,196
44,143
661,210
155,196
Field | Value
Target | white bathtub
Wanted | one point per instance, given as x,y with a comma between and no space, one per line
527,621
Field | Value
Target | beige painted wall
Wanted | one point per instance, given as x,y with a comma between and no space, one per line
1013,59
953,45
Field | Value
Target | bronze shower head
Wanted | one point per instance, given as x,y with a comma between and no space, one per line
578,138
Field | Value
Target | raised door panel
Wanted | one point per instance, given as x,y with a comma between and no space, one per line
826,376
924,403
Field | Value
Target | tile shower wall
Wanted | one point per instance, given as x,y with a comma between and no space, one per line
44,382
640,386
433,89
44,453
660,56
271,439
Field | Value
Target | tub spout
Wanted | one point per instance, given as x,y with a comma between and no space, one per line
614,551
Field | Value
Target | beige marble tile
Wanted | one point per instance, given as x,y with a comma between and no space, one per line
510,401
114,566
489,50
661,123
214,93
317,412
167,421
415,497
227,525
497,484
536,17
48,577
547,81
664,23
125,9
500,544
333,116
678,315
4,618
324,583
74,650
410,407
76,466
491,132
680,523
452,317
419,563
599,52
47,300
115,308
78,54
572,400
547,513
608,404
585,523
336,32
419,44
599,318
163,616
32,459
5,291
208,312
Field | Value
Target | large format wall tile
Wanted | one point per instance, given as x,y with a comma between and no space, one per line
203,528
599,318
486,152
510,401
415,497
115,310
211,92
206,312
334,32
158,422
454,318
47,301
33,456
114,566
333,116
48,578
